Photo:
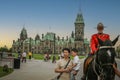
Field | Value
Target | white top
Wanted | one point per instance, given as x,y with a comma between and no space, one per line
76,60
24,54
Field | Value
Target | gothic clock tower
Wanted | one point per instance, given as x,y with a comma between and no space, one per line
79,33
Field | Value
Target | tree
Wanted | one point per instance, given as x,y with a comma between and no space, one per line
4,49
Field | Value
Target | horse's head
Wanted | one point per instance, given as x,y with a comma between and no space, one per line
105,57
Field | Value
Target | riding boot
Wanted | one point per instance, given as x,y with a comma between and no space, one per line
85,67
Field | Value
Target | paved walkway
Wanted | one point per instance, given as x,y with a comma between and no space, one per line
32,70
38,70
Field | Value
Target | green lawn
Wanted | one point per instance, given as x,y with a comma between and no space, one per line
4,73
41,56
81,57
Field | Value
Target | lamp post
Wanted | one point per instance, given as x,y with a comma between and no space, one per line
54,43
54,58
32,51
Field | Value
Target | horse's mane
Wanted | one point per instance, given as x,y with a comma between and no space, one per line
107,43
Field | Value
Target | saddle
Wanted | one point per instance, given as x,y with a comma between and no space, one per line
87,62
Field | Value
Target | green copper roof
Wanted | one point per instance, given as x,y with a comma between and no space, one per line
62,42
27,40
71,40
86,41
37,42
79,19
16,43
57,42
33,42
49,36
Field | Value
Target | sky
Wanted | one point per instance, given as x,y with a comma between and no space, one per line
58,16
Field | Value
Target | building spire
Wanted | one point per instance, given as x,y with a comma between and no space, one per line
79,18
23,25
80,9
23,34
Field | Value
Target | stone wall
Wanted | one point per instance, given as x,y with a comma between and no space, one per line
8,61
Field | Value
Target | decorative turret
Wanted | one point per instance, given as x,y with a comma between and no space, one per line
23,34
42,36
58,38
62,38
79,19
13,41
72,34
66,38
37,37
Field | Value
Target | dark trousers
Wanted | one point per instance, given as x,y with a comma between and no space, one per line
30,57
1,56
24,59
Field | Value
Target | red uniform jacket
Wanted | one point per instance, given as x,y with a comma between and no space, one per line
94,42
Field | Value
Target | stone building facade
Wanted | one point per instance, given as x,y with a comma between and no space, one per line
52,43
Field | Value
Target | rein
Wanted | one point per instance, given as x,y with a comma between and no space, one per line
108,64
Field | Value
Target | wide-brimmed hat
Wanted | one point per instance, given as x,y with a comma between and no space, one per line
100,26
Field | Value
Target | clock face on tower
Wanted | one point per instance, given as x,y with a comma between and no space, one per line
78,32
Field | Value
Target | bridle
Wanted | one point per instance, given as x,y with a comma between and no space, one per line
104,47
100,66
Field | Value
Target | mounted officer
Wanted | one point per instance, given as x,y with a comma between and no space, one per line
94,46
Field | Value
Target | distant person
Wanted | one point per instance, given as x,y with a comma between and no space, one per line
59,56
1,55
24,55
76,63
30,55
45,57
64,65
19,55
54,59
49,57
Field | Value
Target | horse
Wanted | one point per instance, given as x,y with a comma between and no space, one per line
101,67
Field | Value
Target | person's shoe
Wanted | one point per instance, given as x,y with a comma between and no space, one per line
83,77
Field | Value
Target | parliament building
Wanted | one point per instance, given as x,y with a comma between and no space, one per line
52,43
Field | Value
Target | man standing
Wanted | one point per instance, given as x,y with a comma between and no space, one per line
30,55
64,65
76,63
1,55
24,56
94,46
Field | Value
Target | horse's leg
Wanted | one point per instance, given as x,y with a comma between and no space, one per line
90,73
